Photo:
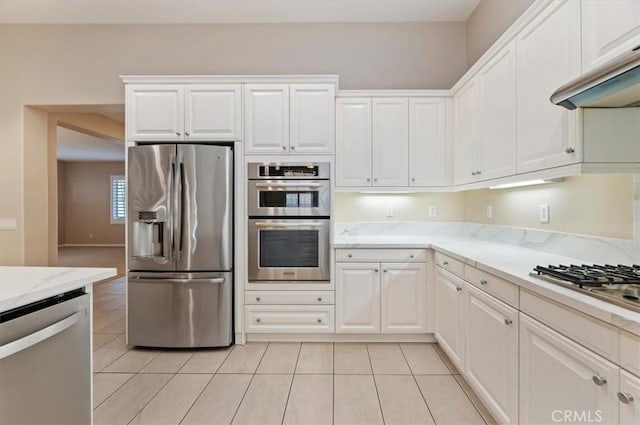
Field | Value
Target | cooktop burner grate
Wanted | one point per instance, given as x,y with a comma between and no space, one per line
593,275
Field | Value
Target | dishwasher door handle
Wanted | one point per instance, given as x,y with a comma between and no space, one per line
30,340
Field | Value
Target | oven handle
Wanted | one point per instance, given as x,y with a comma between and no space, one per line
288,184
283,225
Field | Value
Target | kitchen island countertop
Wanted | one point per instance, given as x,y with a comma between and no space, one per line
20,286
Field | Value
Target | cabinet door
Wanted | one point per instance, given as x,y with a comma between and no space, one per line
212,112
548,56
403,299
390,142
266,119
449,315
496,156
629,399
558,377
312,118
428,147
491,353
353,142
466,134
357,297
609,28
155,112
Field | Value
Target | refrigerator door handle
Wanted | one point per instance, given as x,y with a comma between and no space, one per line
179,280
178,206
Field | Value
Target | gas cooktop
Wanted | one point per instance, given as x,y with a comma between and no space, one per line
618,285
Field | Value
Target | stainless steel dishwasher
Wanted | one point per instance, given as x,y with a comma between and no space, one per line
45,362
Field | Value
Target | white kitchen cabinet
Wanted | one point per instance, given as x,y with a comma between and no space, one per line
179,113
282,119
548,57
357,297
390,141
466,133
266,118
449,305
155,112
496,151
428,142
403,297
558,377
312,118
353,141
629,399
491,353
289,318
609,28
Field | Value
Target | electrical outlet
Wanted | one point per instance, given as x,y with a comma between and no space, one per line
544,213
489,211
389,211
433,211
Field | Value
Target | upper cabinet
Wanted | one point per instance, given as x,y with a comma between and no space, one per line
608,29
179,112
392,141
289,119
548,57
466,134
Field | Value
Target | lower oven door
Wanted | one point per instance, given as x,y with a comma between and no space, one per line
289,249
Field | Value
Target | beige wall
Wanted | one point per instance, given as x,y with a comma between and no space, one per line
81,64
488,22
87,203
406,207
599,205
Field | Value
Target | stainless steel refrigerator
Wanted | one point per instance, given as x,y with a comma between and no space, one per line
180,245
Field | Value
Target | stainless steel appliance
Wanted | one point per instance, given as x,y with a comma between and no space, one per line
619,285
180,245
45,362
289,221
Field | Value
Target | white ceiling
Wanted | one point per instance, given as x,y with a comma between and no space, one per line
232,11
76,146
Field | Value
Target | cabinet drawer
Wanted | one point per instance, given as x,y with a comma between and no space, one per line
289,297
591,333
454,266
289,318
630,352
387,255
499,288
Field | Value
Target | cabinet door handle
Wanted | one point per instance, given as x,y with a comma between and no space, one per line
293,148
473,173
258,320
376,270
186,133
413,179
375,180
319,320
177,133
569,150
625,398
385,270
284,148
458,288
478,172
483,282
508,321
599,380
445,263
368,179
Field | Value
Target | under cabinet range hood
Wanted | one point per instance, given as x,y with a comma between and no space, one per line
613,84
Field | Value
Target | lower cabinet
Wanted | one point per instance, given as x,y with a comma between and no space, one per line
491,353
380,297
629,398
449,305
561,381
289,318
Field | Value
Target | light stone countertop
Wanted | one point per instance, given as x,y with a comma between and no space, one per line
20,286
509,262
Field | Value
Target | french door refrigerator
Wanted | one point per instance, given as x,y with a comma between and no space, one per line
180,245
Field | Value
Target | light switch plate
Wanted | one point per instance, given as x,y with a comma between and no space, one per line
8,224
389,211
489,211
544,213
433,211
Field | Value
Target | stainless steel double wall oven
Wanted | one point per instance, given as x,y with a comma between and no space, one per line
289,207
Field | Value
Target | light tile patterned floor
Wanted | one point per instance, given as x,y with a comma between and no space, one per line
272,383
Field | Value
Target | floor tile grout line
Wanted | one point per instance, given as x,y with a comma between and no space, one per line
197,398
375,384
154,396
471,400
249,386
418,385
113,392
293,376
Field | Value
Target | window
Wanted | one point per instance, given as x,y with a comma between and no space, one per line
118,199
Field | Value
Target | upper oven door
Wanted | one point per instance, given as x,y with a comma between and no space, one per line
289,197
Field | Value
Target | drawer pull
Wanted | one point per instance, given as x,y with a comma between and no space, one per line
385,270
625,398
508,321
483,282
257,320
376,270
319,299
458,288
319,320
349,255
445,263
412,256
599,380
258,299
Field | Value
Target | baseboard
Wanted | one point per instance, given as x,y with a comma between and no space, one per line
332,337
69,245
